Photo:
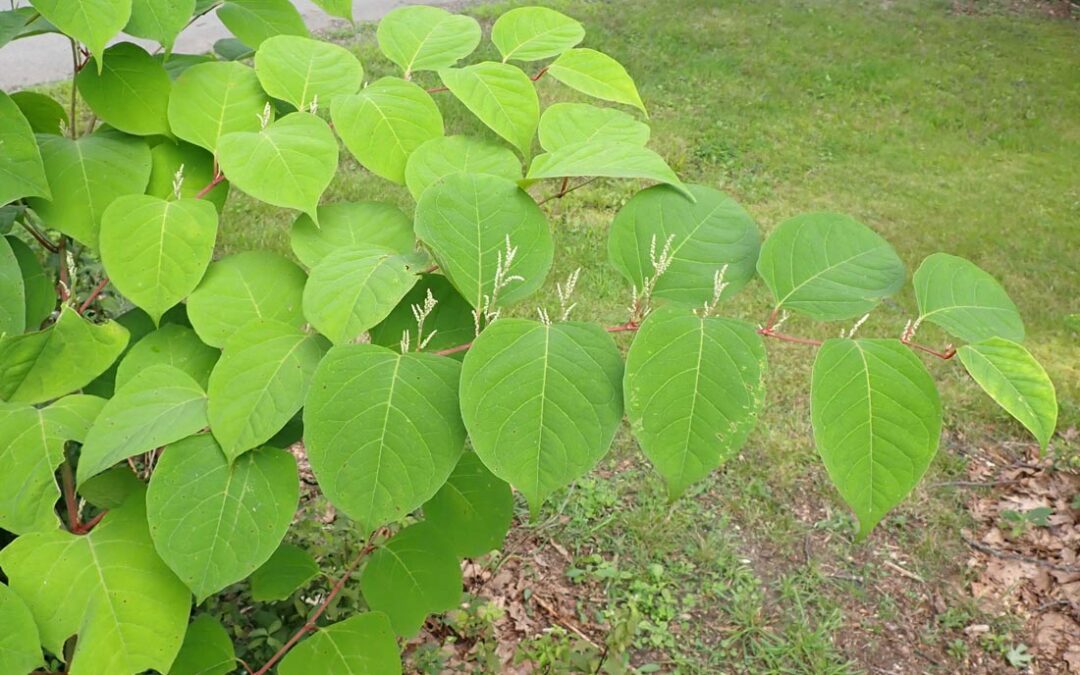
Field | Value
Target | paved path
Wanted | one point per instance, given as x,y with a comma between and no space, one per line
47,58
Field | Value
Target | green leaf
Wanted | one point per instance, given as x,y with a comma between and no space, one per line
385,123
198,171
260,383
171,345
159,20
711,234
207,649
156,251
37,283
213,521
412,575
473,510
1016,381
426,38
287,570
501,96
556,393
301,70
565,124
351,224
87,175
290,163
127,608
829,266
22,173
176,64
91,22
210,100
467,220
534,33
693,389
231,49
110,489
964,300
13,22
609,159
451,321
598,75
243,287
383,430
174,402
363,644
12,292
339,8
129,92
43,112
66,356
254,21
877,422
20,646
446,155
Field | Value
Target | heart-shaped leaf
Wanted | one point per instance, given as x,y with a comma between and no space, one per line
339,8
534,33
43,112
38,285
91,22
130,91
207,649
609,159
363,644
351,224
255,21
12,292
22,173
160,21
565,124
473,510
20,646
288,569
171,345
446,155
502,96
195,166
449,324
301,70
598,75
426,38
967,302
211,100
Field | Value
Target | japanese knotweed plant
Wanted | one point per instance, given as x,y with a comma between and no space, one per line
143,466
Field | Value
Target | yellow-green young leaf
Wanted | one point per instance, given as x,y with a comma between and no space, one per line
598,75
129,92
449,324
383,430
254,21
412,575
302,70
288,569
446,155
172,345
127,608
467,220
156,251
207,649
289,163
66,356
709,236
610,159
534,33
363,644
501,96
565,124
351,224
1016,381
85,176
260,383
91,22
38,285
22,173
20,646
198,171
877,422
158,406
160,20
243,287
473,510
210,100
385,123
967,302
213,521
12,292
43,112
829,266
339,8
541,402
426,38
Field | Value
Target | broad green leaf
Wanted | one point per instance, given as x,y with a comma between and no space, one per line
207,649
339,8
967,302
129,92
231,49
446,155
286,571
43,112
451,321
171,345
877,422
12,292
20,646
127,608
609,159
711,235
156,251
353,289
473,510
66,356
502,96
260,383
598,75
829,266
363,644
243,287
565,124
22,173
213,521
210,100
37,283
693,389
85,176
138,324
541,402
110,489
385,123
13,22
156,407
289,163
198,171
159,20
426,38
1016,381
91,22
176,64
468,219
534,33
412,575
351,224
254,21
382,430
302,70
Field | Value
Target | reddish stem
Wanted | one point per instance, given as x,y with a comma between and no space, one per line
438,90
769,332
90,524
94,295
40,238
945,355
540,73
563,191
218,177
67,480
453,350
64,289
